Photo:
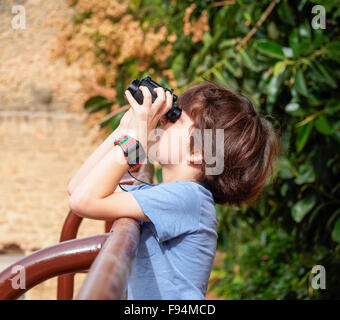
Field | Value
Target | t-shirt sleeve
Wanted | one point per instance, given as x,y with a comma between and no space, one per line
130,187
174,208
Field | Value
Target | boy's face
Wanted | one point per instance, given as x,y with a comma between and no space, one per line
173,140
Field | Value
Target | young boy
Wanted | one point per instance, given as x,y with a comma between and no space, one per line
177,217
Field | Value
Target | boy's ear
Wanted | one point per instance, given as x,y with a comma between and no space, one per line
194,158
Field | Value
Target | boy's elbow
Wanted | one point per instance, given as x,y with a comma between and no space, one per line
79,207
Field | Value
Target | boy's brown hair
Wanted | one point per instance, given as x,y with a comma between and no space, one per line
250,145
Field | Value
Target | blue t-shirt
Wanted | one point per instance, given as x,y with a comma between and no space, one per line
177,247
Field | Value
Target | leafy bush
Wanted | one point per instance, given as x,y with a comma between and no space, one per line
290,71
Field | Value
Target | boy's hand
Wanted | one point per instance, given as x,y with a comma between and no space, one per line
140,120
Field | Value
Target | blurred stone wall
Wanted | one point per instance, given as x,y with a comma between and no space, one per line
43,141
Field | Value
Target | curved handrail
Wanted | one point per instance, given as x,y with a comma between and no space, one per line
65,257
108,275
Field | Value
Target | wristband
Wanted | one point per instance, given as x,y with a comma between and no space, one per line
133,151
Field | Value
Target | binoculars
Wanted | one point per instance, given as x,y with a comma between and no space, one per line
173,114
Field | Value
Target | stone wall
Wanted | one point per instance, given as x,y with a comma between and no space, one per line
39,153
42,143
43,139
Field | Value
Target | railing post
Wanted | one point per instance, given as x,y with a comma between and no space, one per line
66,281
108,275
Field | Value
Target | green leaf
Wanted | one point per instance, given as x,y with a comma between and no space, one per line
270,48
303,135
325,74
305,33
336,231
301,4
318,39
278,68
300,83
294,109
207,39
249,62
284,189
286,169
320,252
286,13
333,51
302,207
235,71
323,126
177,67
273,31
226,44
294,42
114,122
97,103
272,90
159,175
194,62
306,174
224,80
300,39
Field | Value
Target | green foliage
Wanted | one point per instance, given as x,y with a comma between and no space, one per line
291,71
261,261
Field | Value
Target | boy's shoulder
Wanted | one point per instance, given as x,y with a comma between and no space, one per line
180,185
177,190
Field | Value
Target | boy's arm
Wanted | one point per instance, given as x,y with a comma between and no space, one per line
95,197
91,162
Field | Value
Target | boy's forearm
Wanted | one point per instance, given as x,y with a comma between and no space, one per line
102,180
91,162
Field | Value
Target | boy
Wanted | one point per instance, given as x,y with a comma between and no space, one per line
177,217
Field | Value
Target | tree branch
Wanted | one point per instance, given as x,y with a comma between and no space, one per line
257,25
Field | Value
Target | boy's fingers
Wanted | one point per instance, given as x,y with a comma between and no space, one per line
160,100
147,98
134,104
169,101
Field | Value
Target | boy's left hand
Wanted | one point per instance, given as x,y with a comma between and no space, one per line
140,120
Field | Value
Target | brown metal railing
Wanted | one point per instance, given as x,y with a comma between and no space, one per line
66,282
108,274
69,256
107,277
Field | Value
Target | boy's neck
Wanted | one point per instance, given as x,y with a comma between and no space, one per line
178,172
